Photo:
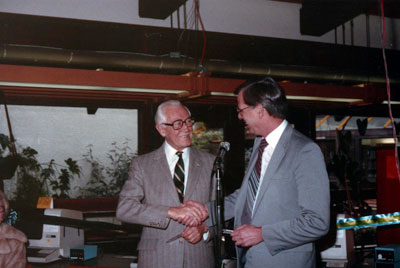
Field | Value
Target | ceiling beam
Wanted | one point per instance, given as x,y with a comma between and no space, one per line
24,83
50,77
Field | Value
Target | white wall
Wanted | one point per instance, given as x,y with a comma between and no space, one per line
62,132
252,17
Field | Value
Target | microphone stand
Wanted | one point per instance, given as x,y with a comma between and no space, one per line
219,217
217,170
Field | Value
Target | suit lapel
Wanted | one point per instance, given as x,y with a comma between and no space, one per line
243,192
274,163
164,173
193,175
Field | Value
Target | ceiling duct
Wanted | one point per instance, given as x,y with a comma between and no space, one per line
41,56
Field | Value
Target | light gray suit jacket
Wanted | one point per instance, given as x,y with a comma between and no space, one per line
145,199
293,204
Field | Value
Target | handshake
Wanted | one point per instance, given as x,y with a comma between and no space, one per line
190,213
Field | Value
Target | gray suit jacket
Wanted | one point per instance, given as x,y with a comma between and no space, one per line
293,205
145,199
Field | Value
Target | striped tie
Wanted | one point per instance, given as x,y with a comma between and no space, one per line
179,176
254,181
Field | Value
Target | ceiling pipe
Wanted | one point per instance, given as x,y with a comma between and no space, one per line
44,56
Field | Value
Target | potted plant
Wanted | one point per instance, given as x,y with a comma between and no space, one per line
35,179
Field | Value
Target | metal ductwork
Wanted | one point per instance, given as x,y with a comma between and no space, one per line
43,56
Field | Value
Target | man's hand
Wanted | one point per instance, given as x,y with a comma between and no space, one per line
200,206
194,234
191,213
247,235
186,214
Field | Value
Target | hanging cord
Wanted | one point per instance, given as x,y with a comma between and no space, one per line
13,148
203,32
387,80
191,21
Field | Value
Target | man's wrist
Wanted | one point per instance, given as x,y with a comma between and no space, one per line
260,233
172,213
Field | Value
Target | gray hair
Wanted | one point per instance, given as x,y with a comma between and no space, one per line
4,202
160,117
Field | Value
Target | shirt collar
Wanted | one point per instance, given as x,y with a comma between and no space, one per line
276,134
170,151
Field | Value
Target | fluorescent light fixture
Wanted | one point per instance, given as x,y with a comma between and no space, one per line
375,142
82,87
295,97
321,99
391,102
224,94
161,91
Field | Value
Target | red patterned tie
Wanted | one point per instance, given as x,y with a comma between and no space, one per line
254,181
261,148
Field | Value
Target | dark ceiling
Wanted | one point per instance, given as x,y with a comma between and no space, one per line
35,36
51,42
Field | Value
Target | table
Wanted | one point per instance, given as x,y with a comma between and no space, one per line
105,260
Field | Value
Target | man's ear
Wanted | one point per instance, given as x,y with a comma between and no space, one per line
161,130
261,111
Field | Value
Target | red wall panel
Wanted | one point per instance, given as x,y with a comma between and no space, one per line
388,193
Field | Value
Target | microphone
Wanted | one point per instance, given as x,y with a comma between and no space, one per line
223,148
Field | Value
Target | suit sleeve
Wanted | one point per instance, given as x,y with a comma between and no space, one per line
229,205
312,222
131,206
229,209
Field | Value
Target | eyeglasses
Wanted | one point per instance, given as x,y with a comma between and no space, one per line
241,110
178,124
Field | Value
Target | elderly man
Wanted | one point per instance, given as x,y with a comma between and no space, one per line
159,184
282,206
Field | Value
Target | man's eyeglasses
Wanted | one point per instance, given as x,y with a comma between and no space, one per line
178,124
241,110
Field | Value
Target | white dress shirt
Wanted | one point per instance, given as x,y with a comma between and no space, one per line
272,139
172,159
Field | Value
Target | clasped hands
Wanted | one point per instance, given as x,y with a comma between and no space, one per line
192,214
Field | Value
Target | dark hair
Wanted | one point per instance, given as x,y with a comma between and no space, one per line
267,93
